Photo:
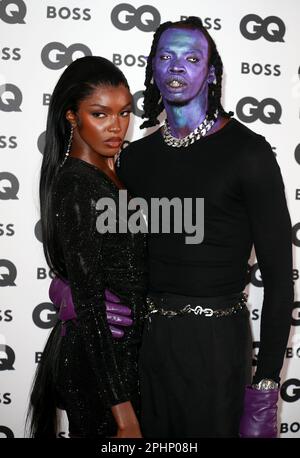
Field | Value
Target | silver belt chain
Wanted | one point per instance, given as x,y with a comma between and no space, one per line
197,310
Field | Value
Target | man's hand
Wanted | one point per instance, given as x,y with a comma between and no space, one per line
116,313
259,418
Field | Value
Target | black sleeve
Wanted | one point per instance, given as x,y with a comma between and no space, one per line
82,244
263,191
125,168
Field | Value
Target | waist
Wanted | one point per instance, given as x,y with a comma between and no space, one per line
169,304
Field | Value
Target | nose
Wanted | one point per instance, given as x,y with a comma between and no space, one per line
176,66
115,124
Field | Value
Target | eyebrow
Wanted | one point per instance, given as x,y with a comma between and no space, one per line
104,107
170,51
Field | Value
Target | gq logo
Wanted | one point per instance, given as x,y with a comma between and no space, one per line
12,12
7,432
38,231
12,100
254,275
8,273
56,55
125,17
9,186
257,110
44,315
262,28
296,234
296,314
137,108
41,142
7,362
290,390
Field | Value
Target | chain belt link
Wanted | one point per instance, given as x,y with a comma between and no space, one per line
197,310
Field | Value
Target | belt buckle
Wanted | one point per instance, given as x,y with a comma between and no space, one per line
198,310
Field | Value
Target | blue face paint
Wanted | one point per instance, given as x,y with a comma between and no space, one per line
180,70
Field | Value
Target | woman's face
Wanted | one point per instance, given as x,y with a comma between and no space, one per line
102,120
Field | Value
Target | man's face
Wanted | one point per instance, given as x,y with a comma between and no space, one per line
180,65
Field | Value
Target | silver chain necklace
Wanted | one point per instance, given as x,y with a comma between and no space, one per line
197,133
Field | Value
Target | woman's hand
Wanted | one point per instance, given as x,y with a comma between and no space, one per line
128,425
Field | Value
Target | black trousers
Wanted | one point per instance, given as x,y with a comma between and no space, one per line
193,370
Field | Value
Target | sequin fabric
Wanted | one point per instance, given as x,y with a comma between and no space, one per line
95,371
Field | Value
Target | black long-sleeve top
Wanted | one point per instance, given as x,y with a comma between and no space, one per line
94,261
236,173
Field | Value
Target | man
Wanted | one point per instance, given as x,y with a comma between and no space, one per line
194,368
195,360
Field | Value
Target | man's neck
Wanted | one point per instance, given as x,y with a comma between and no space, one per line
183,119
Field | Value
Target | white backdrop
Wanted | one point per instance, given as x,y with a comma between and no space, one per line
258,42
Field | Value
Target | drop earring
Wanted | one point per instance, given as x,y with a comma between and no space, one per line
69,146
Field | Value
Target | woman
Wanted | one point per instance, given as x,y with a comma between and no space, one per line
83,370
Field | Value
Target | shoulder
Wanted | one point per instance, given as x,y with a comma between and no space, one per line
81,180
139,149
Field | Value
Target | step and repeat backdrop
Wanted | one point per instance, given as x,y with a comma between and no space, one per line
259,44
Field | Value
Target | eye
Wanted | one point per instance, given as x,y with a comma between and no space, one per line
98,114
194,60
164,57
125,113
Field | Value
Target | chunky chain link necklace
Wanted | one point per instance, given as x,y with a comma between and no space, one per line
197,133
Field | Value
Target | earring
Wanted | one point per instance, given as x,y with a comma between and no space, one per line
69,146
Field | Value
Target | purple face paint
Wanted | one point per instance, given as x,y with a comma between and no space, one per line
180,70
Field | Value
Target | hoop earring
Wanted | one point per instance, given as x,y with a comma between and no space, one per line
69,146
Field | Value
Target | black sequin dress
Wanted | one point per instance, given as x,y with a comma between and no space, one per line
96,371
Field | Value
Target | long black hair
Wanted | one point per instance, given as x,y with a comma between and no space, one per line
153,106
76,83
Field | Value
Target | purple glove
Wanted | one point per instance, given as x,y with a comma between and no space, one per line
260,413
117,314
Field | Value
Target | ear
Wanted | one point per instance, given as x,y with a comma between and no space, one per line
71,117
211,77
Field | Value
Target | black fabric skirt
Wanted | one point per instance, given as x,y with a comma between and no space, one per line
193,370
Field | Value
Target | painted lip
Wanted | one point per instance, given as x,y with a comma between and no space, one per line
182,84
114,142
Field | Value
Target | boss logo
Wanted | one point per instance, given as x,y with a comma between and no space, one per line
8,273
13,12
125,17
41,142
56,55
43,273
5,398
259,110
295,234
9,186
292,352
8,142
6,315
297,153
130,60
137,103
208,22
66,13
7,358
44,315
253,27
296,314
290,427
7,229
290,390
10,53
10,97
259,69
38,231
6,432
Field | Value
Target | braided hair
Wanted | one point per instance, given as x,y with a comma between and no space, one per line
153,104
